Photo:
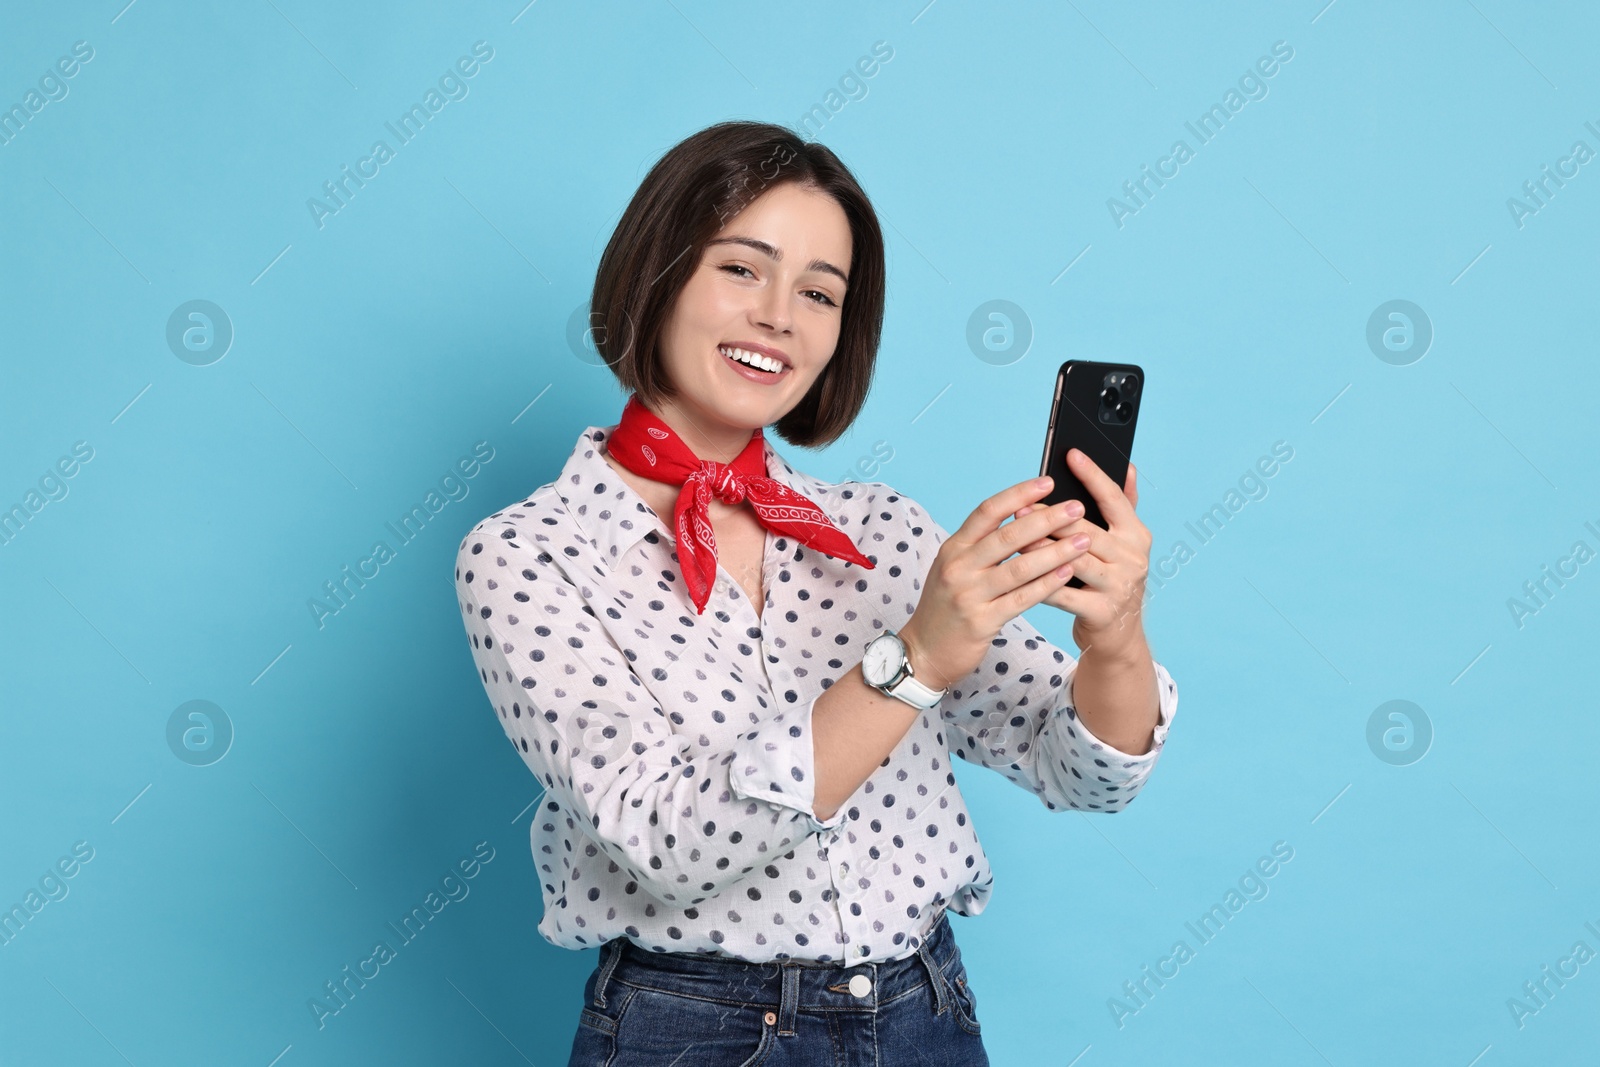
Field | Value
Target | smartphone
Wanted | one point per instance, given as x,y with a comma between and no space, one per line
1095,409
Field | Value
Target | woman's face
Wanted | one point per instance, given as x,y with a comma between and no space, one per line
774,277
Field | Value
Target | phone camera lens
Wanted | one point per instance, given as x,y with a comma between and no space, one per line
1130,386
1109,395
1125,410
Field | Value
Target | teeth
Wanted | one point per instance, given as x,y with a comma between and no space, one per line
753,359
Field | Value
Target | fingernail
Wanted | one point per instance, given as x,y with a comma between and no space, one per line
1044,483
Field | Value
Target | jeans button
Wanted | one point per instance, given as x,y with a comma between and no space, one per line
860,985
771,1017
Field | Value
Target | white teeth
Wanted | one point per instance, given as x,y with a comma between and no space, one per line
752,358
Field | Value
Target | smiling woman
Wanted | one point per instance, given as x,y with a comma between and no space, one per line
750,814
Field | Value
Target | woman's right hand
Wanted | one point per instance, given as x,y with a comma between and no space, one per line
976,584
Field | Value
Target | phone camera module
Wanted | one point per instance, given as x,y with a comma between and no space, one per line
1117,392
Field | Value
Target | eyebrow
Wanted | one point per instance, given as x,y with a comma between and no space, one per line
776,253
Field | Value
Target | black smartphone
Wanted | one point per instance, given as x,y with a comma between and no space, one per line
1096,408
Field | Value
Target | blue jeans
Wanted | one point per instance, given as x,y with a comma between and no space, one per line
690,1010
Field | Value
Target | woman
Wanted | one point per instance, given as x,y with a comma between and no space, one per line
740,686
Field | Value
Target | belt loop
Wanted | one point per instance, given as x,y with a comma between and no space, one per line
935,977
790,1003
610,953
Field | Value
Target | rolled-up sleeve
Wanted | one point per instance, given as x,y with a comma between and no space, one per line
685,824
776,764
1015,714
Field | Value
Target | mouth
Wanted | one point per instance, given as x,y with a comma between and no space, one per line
754,365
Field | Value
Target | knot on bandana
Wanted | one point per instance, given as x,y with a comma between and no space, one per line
648,447
725,483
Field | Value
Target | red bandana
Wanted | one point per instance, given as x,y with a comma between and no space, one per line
645,445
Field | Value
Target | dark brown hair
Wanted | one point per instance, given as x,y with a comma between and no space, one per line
690,194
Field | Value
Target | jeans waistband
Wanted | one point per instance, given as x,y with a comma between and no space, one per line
785,985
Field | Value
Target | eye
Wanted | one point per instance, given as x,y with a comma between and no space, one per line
824,300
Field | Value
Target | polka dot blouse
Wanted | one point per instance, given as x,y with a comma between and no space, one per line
675,753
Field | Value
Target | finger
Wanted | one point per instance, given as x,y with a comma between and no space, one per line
1017,535
1032,544
1114,504
1041,588
987,516
1016,572
1093,571
1112,579
1049,538
1103,544
1131,490
1103,559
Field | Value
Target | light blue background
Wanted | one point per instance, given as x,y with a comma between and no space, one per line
433,310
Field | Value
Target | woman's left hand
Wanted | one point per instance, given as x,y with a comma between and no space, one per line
1110,606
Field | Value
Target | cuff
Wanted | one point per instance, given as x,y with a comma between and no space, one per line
1167,691
777,763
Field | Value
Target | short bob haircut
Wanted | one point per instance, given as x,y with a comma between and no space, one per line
688,196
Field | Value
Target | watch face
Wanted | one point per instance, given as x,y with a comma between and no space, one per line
882,659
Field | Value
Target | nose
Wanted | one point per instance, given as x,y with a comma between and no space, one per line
772,310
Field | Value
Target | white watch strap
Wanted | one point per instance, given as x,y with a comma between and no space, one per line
916,694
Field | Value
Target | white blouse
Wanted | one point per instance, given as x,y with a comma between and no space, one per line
675,749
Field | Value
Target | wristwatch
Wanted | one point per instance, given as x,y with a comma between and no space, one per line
886,667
